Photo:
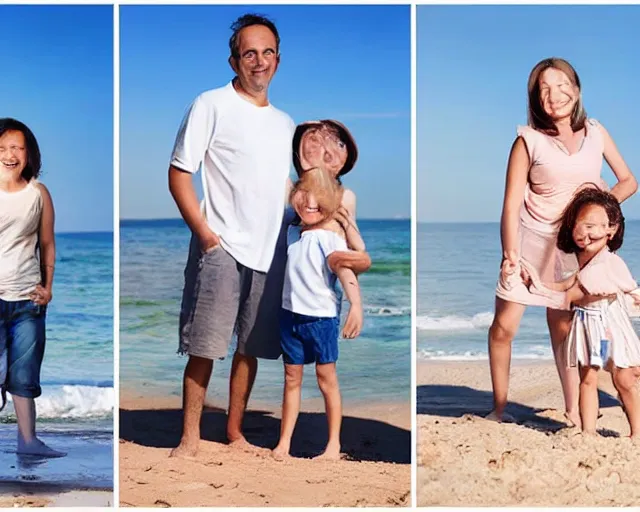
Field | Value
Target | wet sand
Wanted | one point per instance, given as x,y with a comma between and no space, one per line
465,460
375,470
18,495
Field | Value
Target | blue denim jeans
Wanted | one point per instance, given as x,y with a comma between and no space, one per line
22,340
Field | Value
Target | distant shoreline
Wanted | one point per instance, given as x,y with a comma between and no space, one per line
472,222
176,219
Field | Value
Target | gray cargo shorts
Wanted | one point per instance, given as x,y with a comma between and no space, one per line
222,297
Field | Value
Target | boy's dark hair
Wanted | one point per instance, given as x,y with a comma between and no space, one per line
248,20
590,196
34,162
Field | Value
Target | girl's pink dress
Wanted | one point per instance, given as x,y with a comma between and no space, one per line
602,330
554,177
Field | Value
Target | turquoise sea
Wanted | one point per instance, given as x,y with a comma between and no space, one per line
372,368
457,267
75,411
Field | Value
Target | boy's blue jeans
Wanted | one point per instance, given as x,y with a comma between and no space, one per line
22,340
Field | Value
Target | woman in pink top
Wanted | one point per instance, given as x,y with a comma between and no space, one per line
557,152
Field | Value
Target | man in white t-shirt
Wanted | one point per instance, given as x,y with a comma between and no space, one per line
243,146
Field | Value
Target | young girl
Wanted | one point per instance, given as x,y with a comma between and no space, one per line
27,255
311,301
602,294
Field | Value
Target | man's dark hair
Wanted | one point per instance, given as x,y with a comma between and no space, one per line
247,20
34,162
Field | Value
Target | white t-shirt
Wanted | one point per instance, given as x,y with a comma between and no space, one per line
310,286
245,152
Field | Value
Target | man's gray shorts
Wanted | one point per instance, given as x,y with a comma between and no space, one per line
222,297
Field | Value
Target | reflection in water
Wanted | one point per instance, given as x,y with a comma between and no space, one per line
30,463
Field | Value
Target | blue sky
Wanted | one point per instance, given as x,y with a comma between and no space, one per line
472,68
58,80
343,62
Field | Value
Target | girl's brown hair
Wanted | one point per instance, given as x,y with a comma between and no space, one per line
586,197
537,117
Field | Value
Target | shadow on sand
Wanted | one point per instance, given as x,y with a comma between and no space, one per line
362,439
457,401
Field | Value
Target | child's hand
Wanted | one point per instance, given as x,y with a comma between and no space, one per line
353,324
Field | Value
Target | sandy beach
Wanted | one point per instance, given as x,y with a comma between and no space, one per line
18,495
375,471
465,460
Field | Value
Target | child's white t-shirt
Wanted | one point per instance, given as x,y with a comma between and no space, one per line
245,153
310,286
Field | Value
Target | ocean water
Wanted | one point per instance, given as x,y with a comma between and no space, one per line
457,267
375,367
75,410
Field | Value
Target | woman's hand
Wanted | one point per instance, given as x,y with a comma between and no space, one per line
509,264
41,295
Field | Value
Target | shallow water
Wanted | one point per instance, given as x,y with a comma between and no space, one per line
374,367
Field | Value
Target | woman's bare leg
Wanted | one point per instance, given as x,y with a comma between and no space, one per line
559,323
501,333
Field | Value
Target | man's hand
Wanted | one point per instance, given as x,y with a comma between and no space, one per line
209,241
353,323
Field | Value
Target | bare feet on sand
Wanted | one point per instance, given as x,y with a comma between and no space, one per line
241,443
573,419
331,452
280,452
187,449
37,447
500,417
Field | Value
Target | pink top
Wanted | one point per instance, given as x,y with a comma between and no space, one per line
606,274
555,174
554,177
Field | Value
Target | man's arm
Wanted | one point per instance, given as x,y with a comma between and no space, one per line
193,139
184,194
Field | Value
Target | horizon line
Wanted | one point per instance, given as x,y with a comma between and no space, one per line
481,221
180,218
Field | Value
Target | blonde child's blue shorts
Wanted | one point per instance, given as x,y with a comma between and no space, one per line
308,339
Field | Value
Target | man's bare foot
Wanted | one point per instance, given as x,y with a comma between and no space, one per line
185,450
280,452
331,452
241,443
500,417
37,447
